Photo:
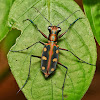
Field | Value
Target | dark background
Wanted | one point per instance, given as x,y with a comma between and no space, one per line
9,87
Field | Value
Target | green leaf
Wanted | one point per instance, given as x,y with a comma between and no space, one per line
92,10
79,39
5,6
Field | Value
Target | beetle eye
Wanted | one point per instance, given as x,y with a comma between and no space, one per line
49,28
59,29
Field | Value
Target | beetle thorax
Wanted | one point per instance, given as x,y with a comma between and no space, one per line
53,37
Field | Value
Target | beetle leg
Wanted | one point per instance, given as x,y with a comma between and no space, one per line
77,56
64,78
28,72
28,47
36,27
69,27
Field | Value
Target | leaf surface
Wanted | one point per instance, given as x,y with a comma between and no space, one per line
79,39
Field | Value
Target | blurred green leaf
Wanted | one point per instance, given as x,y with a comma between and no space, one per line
5,6
92,11
79,39
5,45
10,39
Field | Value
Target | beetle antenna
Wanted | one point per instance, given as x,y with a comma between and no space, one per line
68,17
42,15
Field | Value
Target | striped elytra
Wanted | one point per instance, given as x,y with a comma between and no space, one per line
50,53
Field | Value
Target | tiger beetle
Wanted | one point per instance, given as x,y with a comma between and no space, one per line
49,58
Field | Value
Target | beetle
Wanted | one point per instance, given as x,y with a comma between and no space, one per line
50,54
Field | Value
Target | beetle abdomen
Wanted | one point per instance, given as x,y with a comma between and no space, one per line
49,58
